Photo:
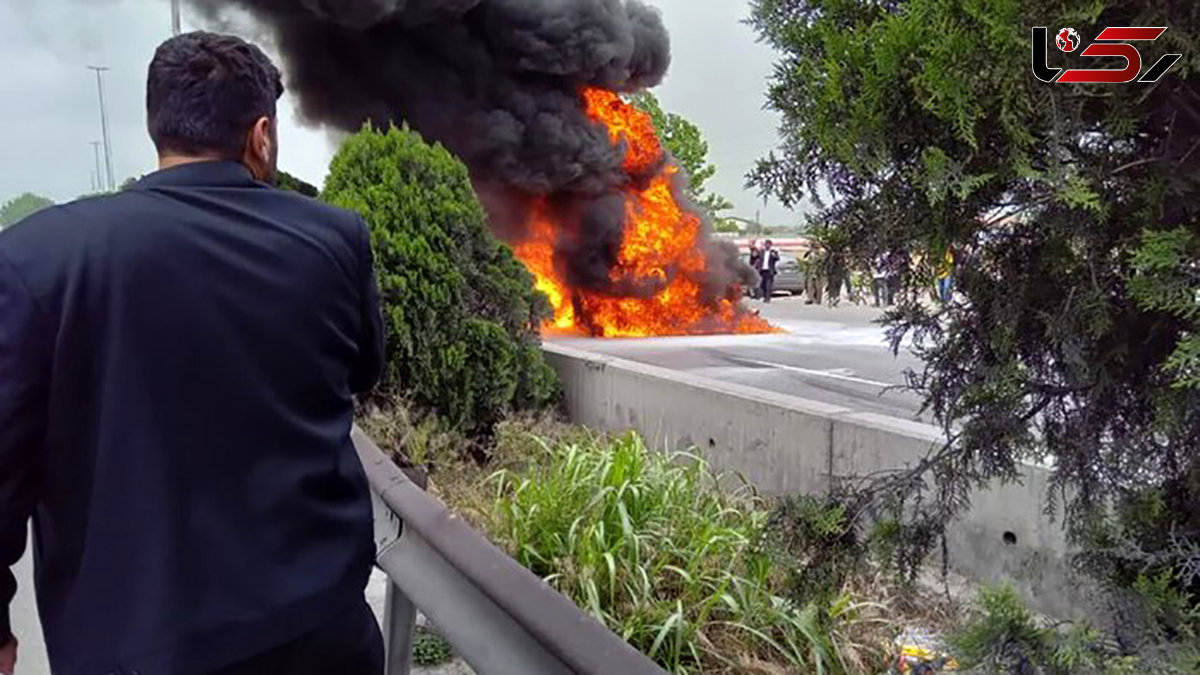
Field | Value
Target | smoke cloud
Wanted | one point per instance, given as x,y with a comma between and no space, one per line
495,81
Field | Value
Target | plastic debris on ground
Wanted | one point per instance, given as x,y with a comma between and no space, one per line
921,652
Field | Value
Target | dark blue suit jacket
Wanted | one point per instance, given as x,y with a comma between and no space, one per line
177,364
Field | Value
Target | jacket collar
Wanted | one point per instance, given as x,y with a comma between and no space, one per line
201,174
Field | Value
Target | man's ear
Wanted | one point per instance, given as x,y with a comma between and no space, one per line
259,154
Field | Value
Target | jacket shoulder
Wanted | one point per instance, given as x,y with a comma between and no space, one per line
51,225
303,201
321,211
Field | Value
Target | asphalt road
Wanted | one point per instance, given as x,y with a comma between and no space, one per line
31,653
832,354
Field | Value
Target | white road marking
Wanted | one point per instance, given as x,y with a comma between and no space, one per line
819,373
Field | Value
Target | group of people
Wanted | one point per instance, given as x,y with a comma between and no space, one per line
764,260
827,275
886,275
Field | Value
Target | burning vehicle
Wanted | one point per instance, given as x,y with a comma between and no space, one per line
532,96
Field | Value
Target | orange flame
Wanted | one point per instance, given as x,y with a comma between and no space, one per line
538,255
662,247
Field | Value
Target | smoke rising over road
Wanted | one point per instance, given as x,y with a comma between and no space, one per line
496,81
499,83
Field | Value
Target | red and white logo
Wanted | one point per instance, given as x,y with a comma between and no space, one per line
1067,40
1111,42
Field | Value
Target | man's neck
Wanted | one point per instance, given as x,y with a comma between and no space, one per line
169,161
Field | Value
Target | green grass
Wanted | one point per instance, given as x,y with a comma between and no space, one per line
430,649
649,545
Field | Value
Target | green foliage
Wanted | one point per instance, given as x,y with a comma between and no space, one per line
430,649
726,226
650,546
1073,210
1166,280
286,181
20,208
1139,551
885,538
1080,650
1003,637
461,312
686,143
814,546
1169,606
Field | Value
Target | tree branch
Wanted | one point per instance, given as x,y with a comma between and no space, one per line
1130,165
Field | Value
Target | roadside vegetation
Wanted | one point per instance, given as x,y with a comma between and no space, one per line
460,311
1001,636
703,575
651,545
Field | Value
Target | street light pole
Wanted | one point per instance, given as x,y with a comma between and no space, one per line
112,185
175,18
98,176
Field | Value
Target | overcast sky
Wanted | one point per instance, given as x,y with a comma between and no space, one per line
49,112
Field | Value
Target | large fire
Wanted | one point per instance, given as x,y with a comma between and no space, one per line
662,247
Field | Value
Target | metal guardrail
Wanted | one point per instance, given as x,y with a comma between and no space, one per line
499,617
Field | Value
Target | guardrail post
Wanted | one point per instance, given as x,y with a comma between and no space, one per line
399,626
399,612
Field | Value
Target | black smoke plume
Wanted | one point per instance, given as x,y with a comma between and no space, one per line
497,82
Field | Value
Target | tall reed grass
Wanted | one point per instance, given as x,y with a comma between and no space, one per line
651,546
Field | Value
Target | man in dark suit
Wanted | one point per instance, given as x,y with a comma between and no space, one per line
768,262
177,371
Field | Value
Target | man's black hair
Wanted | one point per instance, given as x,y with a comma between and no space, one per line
204,91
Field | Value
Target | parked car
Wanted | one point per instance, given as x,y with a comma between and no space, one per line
789,276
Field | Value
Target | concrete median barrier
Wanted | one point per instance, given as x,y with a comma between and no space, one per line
787,445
